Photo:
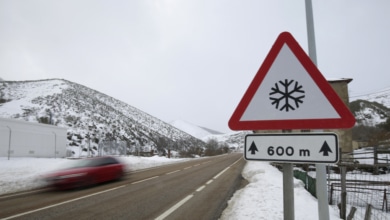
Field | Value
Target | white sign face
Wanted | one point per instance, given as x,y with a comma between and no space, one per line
292,147
289,92
283,78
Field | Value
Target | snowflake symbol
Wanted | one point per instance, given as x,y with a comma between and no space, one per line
282,97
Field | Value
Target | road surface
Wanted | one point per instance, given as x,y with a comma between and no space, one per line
196,189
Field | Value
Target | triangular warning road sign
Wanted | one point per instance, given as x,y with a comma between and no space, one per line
289,92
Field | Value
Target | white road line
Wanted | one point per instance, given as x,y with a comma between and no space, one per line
173,208
173,172
187,167
177,205
144,180
62,203
235,162
220,173
200,188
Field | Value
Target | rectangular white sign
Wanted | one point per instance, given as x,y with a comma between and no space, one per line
292,147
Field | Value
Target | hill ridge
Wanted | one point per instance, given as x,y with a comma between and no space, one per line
89,115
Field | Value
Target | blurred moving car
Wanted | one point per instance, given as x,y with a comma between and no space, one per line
86,172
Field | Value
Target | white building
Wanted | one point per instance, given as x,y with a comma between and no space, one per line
26,139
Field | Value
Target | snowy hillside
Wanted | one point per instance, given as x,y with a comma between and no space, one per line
89,116
235,140
194,130
372,109
382,97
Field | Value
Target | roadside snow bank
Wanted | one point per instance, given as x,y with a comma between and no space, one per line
23,173
262,198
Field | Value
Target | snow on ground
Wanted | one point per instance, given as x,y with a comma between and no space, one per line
262,198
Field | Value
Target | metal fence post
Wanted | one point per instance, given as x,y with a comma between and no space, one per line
343,207
384,204
367,216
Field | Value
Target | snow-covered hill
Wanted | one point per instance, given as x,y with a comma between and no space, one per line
372,109
235,140
381,97
194,130
91,117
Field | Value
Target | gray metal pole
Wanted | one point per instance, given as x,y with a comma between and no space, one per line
55,145
288,191
9,142
322,193
310,32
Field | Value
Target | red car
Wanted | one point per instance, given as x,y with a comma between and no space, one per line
86,172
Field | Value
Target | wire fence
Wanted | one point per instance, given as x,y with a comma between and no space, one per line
360,194
113,148
358,186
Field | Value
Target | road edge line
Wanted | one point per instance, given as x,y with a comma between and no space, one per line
61,203
173,208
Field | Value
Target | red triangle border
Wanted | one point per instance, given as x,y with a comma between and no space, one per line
346,120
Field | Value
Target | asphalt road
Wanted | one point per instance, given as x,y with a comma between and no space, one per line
196,189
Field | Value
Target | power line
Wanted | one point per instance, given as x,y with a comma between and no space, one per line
372,93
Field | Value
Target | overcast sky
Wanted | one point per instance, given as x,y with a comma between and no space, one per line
187,59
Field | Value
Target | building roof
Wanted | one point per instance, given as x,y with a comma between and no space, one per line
347,80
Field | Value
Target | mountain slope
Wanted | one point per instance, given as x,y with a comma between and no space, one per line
381,97
235,140
91,117
194,130
369,113
371,109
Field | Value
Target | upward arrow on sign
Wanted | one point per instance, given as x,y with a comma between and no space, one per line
253,148
289,92
325,149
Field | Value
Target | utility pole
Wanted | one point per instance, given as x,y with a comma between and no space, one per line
322,193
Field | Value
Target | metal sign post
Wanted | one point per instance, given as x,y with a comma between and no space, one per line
288,148
322,192
289,92
288,191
